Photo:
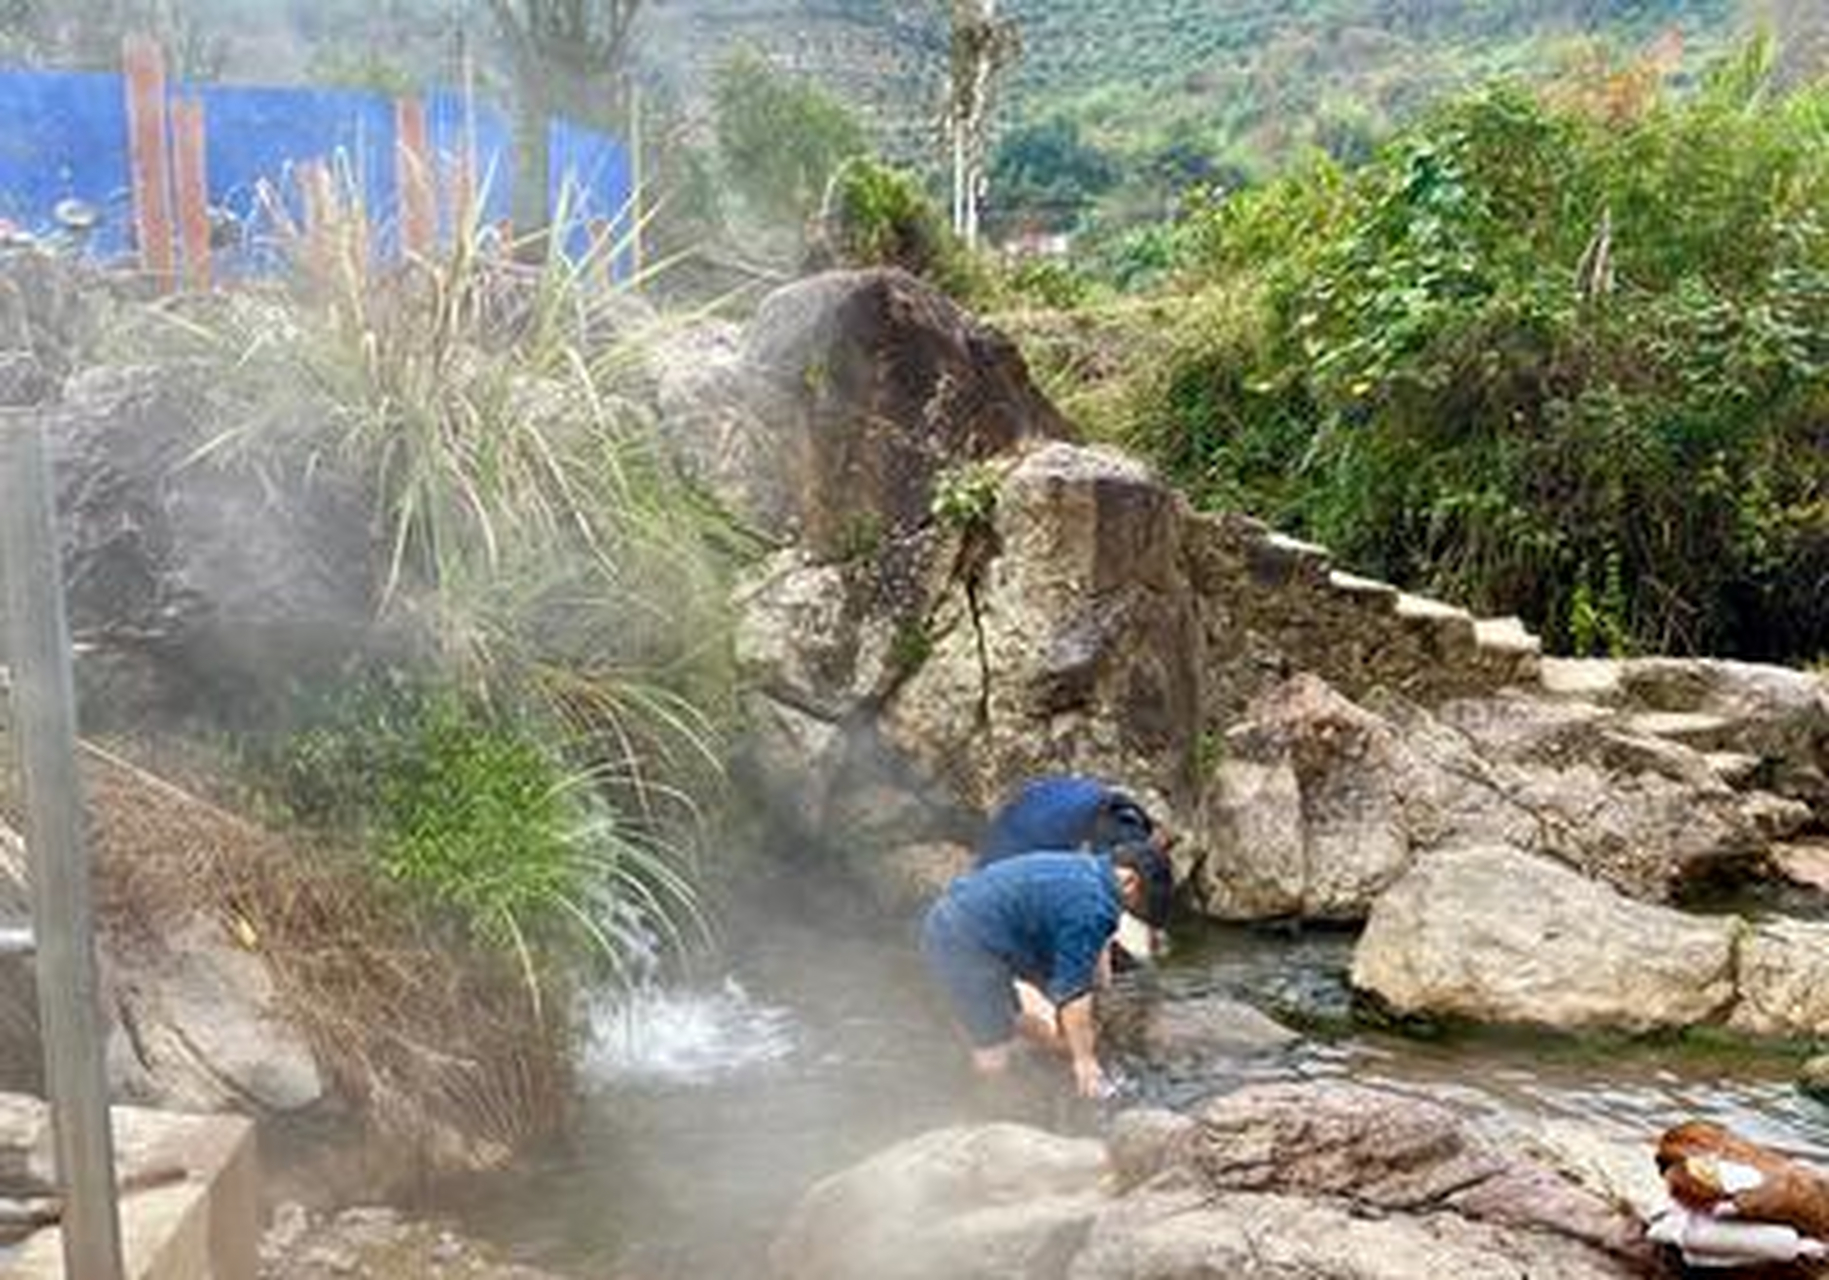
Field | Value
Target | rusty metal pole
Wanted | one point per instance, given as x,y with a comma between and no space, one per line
44,728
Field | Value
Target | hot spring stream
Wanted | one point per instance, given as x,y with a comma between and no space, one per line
710,1109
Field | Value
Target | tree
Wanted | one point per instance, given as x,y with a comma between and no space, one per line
780,138
1046,174
569,57
982,45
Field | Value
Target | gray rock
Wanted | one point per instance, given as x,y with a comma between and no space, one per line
201,1030
890,383
1500,936
1082,651
1316,1181
1783,980
957,1204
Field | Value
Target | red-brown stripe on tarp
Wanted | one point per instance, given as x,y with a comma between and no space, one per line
190,178
143,63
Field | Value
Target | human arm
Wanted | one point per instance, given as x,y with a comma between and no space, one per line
1081,1035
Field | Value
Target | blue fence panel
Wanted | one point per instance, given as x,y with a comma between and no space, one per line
259,135
592,182
66,138
495,169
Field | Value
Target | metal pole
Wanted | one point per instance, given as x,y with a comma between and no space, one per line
44,728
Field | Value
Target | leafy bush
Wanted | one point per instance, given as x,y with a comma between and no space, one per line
533,554
475,816
1546,360
877,216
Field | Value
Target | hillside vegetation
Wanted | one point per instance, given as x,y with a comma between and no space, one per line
1560,352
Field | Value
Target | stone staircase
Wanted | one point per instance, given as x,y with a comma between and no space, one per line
1358,631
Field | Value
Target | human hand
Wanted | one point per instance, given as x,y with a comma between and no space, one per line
1089,1078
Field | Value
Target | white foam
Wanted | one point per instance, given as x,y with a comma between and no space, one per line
655,1035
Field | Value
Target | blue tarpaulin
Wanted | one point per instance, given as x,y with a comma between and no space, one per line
67,136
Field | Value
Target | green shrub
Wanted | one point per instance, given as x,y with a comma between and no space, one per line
1538,359
470,811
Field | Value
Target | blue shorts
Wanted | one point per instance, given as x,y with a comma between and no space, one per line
980,986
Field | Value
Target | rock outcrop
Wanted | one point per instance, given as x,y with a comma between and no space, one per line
1495,935
1319,1181
1319,804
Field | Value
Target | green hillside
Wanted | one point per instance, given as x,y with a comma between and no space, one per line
1174,92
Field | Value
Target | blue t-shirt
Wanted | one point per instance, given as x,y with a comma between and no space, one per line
1062,811
1047,915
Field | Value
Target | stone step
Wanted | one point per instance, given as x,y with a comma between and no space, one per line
1691,728
1506,637
1296,547
1804,862
1276,558
1422,608
1589,679
1367,590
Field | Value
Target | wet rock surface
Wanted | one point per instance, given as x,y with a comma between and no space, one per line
1293,1180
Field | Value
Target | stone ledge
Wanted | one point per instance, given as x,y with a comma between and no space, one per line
205,1227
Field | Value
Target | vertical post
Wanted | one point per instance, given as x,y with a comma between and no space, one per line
44,720
144,67
638,177
413,169
190,176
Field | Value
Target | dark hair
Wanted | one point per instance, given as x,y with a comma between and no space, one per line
1157,874
1121,821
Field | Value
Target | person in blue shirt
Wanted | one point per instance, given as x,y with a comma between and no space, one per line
1072,811
1045,919
1066,811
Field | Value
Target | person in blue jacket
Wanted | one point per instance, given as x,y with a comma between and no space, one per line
1066,811
1046,919
1073,811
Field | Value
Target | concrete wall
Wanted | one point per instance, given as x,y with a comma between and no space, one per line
204,1225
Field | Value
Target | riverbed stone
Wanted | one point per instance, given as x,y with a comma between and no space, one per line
375,1243
1312,1180
1813,1077
1783,980
957,1204
1500,936
1189,1031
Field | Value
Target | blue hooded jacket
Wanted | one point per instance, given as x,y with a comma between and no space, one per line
1060,812
1046,915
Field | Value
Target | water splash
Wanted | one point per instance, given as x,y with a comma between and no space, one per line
657,1036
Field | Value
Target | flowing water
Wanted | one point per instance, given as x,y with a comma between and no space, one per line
710,1109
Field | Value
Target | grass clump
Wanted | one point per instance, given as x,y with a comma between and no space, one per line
513,780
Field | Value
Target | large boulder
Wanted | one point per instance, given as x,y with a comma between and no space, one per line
1497,935
191,581
1318,1181
1317,804
1306,810
1076,648
882,383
